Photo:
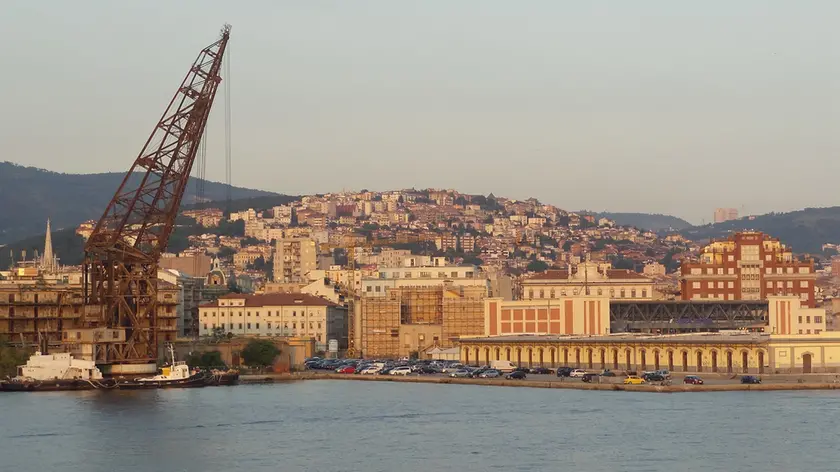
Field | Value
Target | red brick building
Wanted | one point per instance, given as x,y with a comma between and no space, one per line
747,266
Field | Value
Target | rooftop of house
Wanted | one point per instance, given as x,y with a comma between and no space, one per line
274,299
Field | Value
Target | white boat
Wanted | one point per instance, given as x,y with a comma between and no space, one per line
59,366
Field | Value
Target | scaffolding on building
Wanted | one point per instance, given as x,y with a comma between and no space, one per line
406,321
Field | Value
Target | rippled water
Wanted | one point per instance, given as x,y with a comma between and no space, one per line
372,426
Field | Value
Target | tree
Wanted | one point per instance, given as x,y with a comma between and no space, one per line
206,360
227,228
249,241
537,266
259,353
225,252
567,246
10,358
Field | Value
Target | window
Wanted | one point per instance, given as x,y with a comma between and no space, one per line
319,325
441,275
600,292
803,284
551,293
807,331
807,319
542,293
695,284
730,258
768,257
769,284
369,289
258,326
644,293
408,275
205,314
425,275
249,313
530,293
205,326
612,292
633,293
310,325
378,289
720,285
622,293
800,318
294,325
789,284
804,270
768,270
231,326
800,331
789,270
240,325
720,271
710,284
818,319
695,271
240,313
731,271
249,325
268,325
454,275
817,331
294,313
730,284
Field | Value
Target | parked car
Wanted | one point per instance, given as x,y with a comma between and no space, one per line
750,379
540,370
577,373
347,369
427,369
692,380
490,374
516,375
588,377
503,366
564,371
653,377
607,373
522,369
634,380
664,372
401,370
460,373
477,373
370,370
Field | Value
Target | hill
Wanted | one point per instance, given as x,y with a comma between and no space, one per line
31,195
804,230
652,222
70,247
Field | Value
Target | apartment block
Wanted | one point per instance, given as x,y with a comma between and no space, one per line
293,258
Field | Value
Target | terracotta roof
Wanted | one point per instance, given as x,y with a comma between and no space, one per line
551,275
624,274
278,299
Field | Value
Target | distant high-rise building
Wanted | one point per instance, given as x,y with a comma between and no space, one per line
294,258
725,214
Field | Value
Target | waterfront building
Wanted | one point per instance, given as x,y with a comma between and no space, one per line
275,315
778,334
588,279
423,303
747,266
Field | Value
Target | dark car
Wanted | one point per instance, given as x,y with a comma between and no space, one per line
653,377
607,373
516,375
564,371
474,374
427,369
524,370
692,380
750,379
588,377
540,370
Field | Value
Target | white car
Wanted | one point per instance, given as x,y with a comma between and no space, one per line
577,373
370,370
404,370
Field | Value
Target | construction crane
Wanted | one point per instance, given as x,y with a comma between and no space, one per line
122,253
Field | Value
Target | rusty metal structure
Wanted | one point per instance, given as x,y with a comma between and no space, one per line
122,253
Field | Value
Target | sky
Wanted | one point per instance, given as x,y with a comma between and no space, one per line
655,106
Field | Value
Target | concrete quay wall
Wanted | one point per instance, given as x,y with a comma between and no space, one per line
568,384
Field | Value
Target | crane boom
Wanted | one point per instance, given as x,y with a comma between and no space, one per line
122,253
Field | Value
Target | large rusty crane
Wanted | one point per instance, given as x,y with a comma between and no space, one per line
122,253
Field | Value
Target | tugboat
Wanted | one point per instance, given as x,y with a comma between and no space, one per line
53,372
176,375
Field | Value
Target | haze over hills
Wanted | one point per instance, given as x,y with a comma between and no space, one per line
653,222
31,195
803,230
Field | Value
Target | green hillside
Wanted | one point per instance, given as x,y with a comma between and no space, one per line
32,195
804,230
652,222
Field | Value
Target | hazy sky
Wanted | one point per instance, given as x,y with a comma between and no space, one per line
654,106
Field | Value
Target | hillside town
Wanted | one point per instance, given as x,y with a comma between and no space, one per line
413,272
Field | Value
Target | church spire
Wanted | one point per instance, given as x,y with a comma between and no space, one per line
48,261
